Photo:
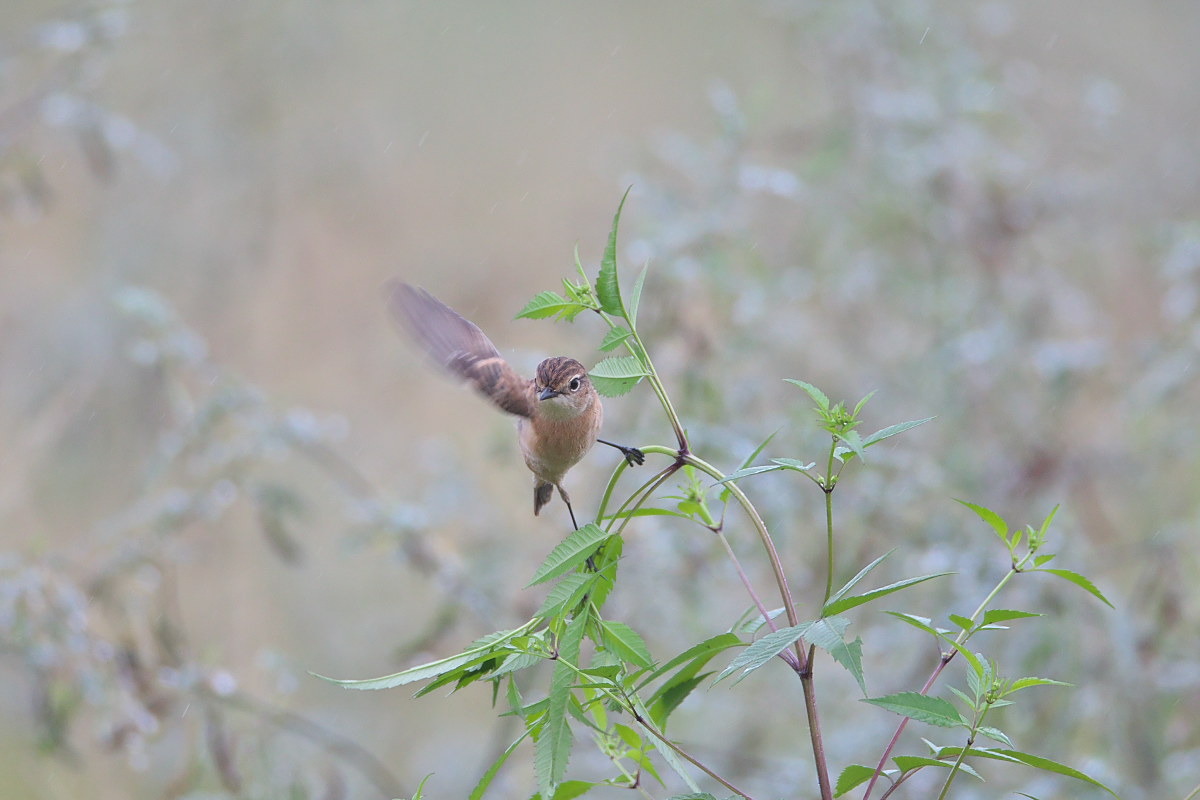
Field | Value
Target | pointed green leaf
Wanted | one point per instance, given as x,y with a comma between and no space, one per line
991,518
963,622
552,745
616,375
884,433
992,616
635,299
547,304
846,603
931,710
699,655
1080,581
995,734
791,463
764,650
672,693
862,573
569,790
1016,756
851,777
614,337
829,635
858,408
909,763
920,623
488,776
570,553
627,643
743,473
608,289
854,441
1025,683
567,593
480,651
816,394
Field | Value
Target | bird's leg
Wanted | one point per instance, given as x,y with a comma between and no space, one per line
566,499
633,456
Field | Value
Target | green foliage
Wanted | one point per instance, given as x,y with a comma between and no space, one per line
605,680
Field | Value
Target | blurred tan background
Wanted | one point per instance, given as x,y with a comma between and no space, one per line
220,468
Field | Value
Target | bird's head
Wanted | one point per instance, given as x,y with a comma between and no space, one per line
563,388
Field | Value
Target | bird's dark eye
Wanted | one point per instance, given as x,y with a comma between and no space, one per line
574,385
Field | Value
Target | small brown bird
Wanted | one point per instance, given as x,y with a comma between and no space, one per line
559,411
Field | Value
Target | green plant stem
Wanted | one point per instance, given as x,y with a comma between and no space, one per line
954,768
643,355
803,666
621,467
1194,793
764,535
937,671
745,579
827,488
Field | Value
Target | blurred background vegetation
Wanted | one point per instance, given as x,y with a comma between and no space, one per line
219,467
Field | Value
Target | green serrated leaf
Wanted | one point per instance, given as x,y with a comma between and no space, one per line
920,623
569,790
829,635
1025,683
891,430
515,662
567,593
909,763
791,463
616,375
570,553
1080,581
995,734
612,340
548,304
698,655
931,710
862,573
837,606
625,642
962,622
479,651
852,776
608,289
672,693
552,745
854,441
488,776
763,650
742,473
816,394
991,518
858,408
635,298
995,615
1016,756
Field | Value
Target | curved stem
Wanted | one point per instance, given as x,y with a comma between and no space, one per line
764,535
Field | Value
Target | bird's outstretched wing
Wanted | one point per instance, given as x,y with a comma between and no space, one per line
460,347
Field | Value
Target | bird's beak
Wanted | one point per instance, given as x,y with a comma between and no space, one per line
547,393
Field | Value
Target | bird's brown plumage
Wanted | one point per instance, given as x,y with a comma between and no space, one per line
560,410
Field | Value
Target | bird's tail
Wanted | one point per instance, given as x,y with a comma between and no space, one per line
541,495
